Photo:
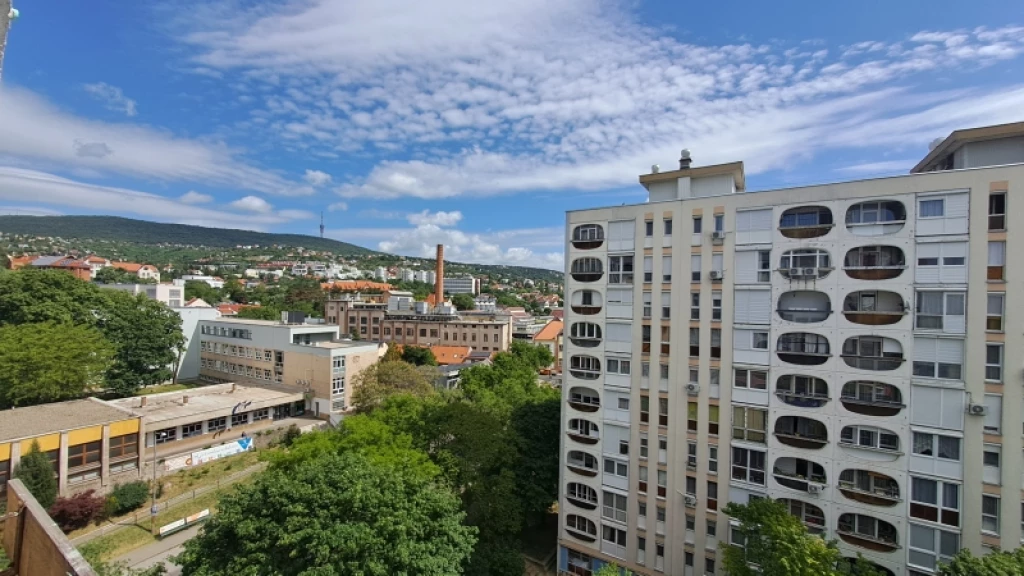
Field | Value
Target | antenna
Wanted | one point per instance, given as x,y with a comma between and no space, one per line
321,224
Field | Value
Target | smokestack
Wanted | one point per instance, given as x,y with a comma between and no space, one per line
439,272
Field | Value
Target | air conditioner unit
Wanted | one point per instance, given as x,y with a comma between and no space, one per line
718,235
810,272
815,488
693,388
690,500
715,274
977,409
796,272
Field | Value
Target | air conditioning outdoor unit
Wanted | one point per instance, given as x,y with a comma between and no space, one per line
977,409
715,274
810,272
815,488
690,500
796,272
718,235
693,388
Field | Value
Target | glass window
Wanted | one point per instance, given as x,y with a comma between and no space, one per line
749,424
994,318
84,454
997,211
935,501
935,208
752,379
990,514
993,362
124,446
748,465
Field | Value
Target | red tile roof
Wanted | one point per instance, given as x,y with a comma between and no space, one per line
550,331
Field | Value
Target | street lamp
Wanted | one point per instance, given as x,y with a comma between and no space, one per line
158,435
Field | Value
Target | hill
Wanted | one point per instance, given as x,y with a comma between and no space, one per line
142,232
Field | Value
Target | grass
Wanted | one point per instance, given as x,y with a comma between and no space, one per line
160,388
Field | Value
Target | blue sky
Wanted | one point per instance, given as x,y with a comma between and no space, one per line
475,124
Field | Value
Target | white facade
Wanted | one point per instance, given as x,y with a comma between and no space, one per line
462,285
173,295
834,346
212,281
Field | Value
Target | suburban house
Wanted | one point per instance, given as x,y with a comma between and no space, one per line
143,271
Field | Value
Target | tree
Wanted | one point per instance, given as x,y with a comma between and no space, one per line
202,290
537,429
36,471
535,355
463,302
612,570
999,563
259,313
334,515
50,362
383,379
77,511
393,354
778,543
112,275
125,498
418,356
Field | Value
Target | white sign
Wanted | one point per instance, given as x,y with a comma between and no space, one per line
172,526
197,516
177,462
222,451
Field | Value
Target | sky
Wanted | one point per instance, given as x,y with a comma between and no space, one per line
474,124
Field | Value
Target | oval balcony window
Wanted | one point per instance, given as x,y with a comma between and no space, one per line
872,398
586,270
876,218
800,432
812,516
585,334
869,487
580,527
805,264
584,399
581,463
850,565
585,367
803,348
587,236
800,474
870,438
586,302
802,391
874,307
873,353
868,532
583,431
804,306
581,495
874,263
806,222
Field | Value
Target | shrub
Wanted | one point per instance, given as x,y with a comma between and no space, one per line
125,498
36,471
290,435
77,511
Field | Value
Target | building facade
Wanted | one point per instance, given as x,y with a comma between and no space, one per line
841,348
462,285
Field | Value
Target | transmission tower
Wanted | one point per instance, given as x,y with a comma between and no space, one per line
8,14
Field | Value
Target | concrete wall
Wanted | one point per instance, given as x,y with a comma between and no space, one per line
34,543
188,368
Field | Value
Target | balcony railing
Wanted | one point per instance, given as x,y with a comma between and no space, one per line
586,309
583,438
875,363
802,399
888,495
580,467
803,315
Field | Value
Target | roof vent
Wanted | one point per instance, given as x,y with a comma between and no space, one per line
655,168
935,144
684,159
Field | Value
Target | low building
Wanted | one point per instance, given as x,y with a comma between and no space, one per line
304,358
212,281
447,355
143,271
462,285
78,268
170,294
96,263
92,444
485,303
551,338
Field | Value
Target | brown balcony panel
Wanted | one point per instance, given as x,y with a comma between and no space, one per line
798,232
874,318
867,542
874,273
587,244
582,471
583,439
583,407
586,310
874,499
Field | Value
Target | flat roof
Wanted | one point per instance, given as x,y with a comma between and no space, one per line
958,138
733,168
269,323
33,421
204,401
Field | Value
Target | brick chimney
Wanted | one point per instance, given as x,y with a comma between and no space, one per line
439,272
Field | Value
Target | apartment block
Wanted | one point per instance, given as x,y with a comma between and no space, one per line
842,348
462,285
309,358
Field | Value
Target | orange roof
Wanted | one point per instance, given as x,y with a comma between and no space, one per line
96,259
20,262
451,354
355,285
232,309
550,331
128,266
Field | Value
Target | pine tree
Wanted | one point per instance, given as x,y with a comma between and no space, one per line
36,471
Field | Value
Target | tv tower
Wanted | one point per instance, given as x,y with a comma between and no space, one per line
321,224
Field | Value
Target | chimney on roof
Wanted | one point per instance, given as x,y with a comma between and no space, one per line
439,272
233,386
142,402
684,159
184,399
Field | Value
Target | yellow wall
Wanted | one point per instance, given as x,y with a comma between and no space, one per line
46,443
83,435
124,427
5,452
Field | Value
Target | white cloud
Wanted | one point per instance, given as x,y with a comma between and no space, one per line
193,197
375,214
443,219
253,204
317,178
338,206
112,96
576,94
882,167
28,211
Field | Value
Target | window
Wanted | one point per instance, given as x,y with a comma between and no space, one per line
932,208
240,419
618,366
716,342
691,455
719,222
689,559
644,447
662,484
662,411
258,415
166,435
666,305
691,522
645,408
582,427
993,362
712,495
338,385
994,318
938,358
616,468
648,269
668,226
712,529
698,225
190,430
216,424
862,526
716,308
695,306
759,340
649,228
647,304
84,454
666,333
751,379
694,341
749,424
614,507
805,258
997,211
695,268
935,501
620,269
936,446
691,416
940,311
990,514
990,459
666,269
996,260
748,465
124,446
642,481
713,420
994,414
930,546
870,437
581,525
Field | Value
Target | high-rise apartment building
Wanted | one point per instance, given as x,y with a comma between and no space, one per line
845,348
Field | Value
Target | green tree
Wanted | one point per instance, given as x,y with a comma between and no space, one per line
202,290
50,362
776,542
612,570
259,313
535,355
334,515
418,356
374,384
463,302
393,354
111,275
1000,563
36,471
536,425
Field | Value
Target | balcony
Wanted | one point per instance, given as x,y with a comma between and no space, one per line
806,222
872,398
868,532
585,367
581,463
583,431
802,391
869,487
874,307
587,236
806,264
870,438
799,474
585,334
812,516
876,218
800,432
873,353
804,306
581,495
874,263
586,270
586,302
803,348
584,399
581,528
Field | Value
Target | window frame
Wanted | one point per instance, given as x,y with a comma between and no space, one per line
741,461
745,426
945,513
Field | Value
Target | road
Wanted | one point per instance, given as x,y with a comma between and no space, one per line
159,552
